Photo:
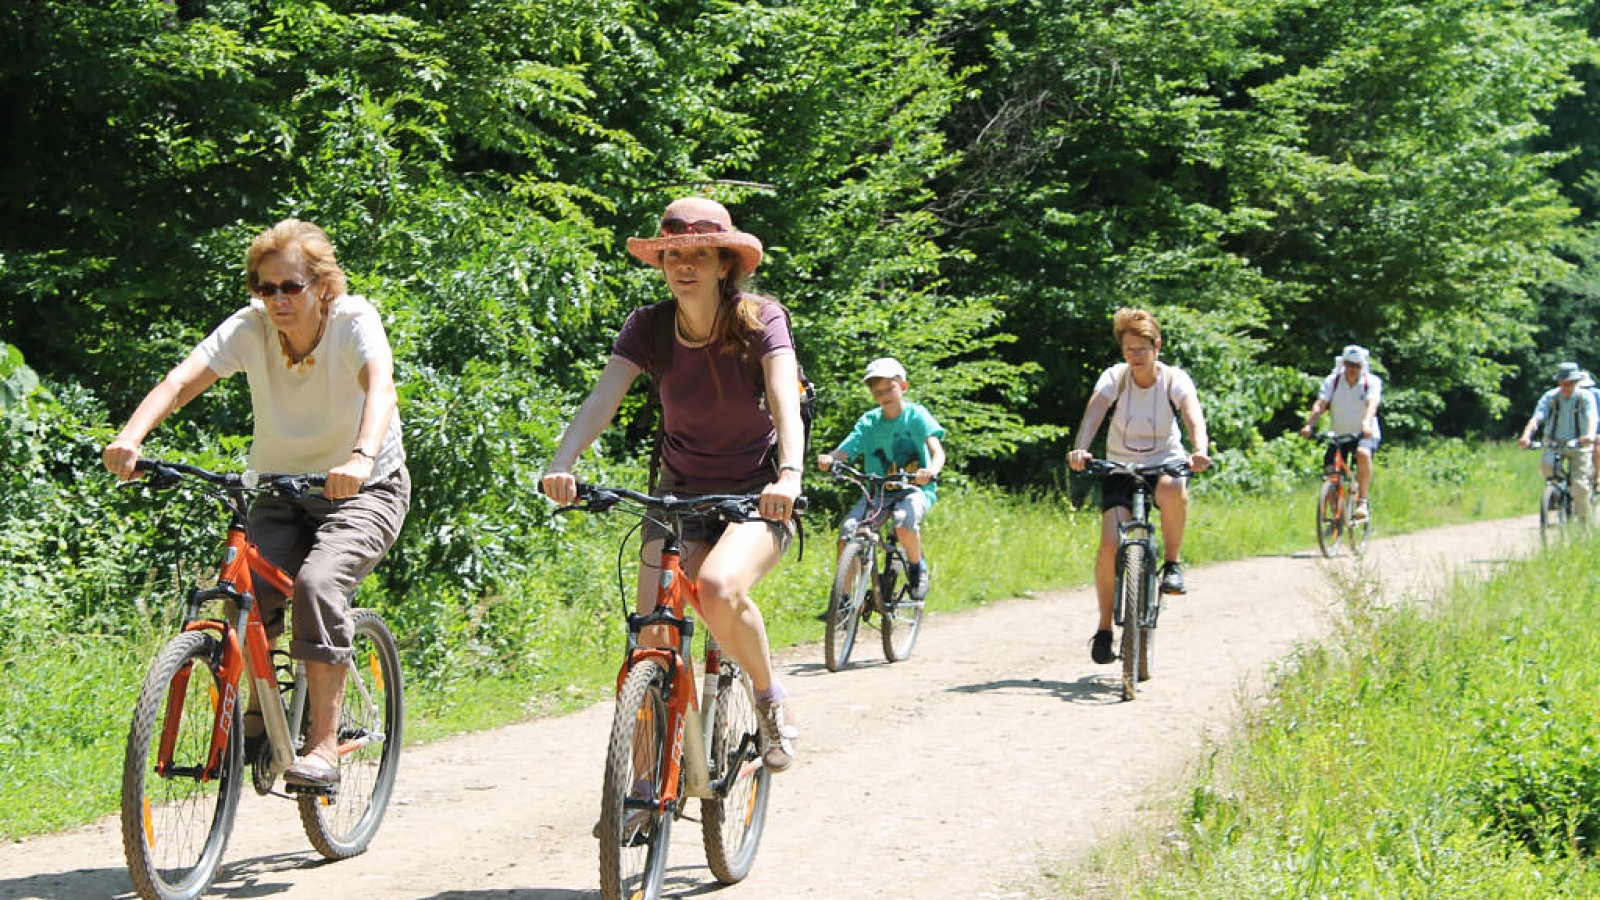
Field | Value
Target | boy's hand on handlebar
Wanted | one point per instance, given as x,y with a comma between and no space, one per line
922,476
1305,430
560,487
1199,462
1524,442
824,462
1078,459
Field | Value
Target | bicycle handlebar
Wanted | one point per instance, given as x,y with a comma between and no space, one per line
1103,467
1337,437
728,507
1573,444
165,475
843,471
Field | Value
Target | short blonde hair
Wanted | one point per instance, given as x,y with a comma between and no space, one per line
1138,322
314,246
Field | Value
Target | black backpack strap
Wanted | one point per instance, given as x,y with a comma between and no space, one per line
663,318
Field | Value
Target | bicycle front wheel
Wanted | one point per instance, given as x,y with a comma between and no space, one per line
845,603
176,815
1133,575
1357,530
634,831
1330,519
1147,632
1554,510
732,821
370,725
902,614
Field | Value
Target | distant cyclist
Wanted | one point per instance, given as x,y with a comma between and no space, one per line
898,436
1145,397
1567,414
1586,383
1351,394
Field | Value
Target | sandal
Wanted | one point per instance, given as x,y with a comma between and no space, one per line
312,771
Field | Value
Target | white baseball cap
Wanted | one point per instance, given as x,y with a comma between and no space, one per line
1354,353
885,367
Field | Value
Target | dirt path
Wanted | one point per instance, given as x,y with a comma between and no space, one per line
997,752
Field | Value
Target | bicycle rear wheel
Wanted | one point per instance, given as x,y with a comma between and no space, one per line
902,615
370,725
176,816
1330,518
634,831
1131,580
733,821
845,603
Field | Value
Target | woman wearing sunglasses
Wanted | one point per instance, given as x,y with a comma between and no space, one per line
1145,398
718,436
323,400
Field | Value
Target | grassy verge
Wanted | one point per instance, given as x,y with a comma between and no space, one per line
64,699
1438,749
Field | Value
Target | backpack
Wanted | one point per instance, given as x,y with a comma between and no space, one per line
660,327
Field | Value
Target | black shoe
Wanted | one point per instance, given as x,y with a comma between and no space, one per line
1172,579
1100,648
921,575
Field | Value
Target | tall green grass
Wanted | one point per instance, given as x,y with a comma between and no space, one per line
1446,748
64,699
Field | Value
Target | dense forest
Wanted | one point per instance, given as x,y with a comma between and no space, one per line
970,185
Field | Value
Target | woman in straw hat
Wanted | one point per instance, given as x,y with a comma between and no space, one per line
717,434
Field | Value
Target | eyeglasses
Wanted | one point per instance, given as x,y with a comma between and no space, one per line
676,226
266,289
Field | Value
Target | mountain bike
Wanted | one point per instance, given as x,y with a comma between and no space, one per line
1336,504
666,744
185,761
1137,602
861,588
1555,503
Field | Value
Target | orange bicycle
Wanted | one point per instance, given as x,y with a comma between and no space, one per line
666,744
184,766
1336,504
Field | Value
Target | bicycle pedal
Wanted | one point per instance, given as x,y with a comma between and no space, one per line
329,791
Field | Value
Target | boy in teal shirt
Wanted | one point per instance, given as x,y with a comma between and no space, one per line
899,436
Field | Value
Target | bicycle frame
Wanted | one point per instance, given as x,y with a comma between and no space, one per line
691,714
241,562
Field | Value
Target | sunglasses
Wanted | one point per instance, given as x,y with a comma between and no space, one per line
266,289
676,226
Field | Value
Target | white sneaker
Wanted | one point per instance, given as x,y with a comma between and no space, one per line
1361,514
777,736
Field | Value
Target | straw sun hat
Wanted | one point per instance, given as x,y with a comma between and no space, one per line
697,222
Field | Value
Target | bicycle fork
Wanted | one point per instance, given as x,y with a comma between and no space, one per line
1137,534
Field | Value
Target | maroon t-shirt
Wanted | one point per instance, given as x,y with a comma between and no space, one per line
716,433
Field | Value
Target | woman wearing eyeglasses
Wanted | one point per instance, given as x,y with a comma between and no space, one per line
323,401
1145,398
709,348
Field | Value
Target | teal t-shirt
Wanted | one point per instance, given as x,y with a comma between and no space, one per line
895,445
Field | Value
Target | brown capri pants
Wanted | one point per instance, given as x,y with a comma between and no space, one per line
329,546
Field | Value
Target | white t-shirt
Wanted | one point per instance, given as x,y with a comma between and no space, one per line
1347,403
306,417
1144,422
